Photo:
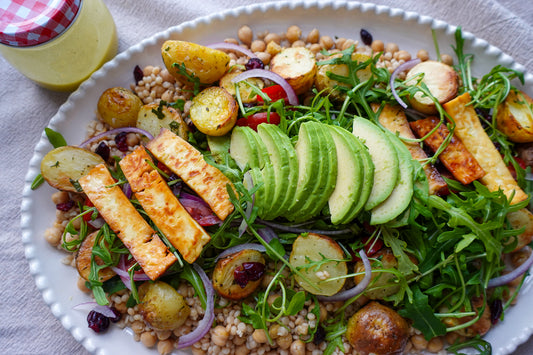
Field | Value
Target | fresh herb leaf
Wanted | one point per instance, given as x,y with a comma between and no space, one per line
423,315
55,138
38,181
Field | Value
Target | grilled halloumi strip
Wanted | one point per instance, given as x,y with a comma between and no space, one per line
471,133
163,207
189,164
393,118
136,234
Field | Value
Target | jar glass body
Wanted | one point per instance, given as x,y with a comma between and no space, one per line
67,60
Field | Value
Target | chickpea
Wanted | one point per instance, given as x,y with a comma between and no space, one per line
293,33
298,43
419,342
264,56
165,347
53,235
148,339
137,326
163,334
245,34
403,55
273,331
446,59
297,347
81,285
60,197
147,71
339,42
284,342
232,41
272,37
377,45
347,44
391,47
313,36
242,350
219,335
259,336
423,55
435,345
315,48
326,42
258,46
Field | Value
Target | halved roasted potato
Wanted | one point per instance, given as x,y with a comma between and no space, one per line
297,65
62,165
214,111
118,107
319,259
224,280
162,306
246,93
515,117
207,64
83,260
154,116
441,80
382,283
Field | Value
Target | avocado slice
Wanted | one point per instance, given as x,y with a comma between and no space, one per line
268,190
219,146
384,157
246,148
285,168
324,178
402,193
345,202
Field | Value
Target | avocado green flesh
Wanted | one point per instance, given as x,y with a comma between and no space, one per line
269,188
402,193
350,173
244,148
219,146
384,157
260,196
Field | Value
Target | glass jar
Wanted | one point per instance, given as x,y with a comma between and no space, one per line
57,43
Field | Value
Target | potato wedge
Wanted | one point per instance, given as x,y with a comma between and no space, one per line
520,219
162,306
119,107
441,80
154,116
246,93
206,64
469,130
308,253
224,274
214,111
514,117
62,165
297,65
382,284
83,260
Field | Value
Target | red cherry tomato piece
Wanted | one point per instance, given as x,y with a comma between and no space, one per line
275,92
88,203
256,119
372,245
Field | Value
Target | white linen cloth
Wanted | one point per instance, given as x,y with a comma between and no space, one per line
27,325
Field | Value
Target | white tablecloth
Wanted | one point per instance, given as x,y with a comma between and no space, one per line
27,325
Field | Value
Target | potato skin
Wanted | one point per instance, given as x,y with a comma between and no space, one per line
162,306
207,64
83,260
377,329
214,111
168,118
119,107
297,65
514,117
246,92
224,281
389,261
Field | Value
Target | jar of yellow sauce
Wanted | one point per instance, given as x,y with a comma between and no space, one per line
57,43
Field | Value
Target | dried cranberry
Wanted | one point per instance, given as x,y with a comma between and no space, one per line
320,335
121,140
366,37
138,74
117,316
97,321
248,271
496,309
65,206
254,63
103,150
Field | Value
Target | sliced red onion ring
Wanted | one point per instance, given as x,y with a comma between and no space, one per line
267,234
233,47
199,210
267,74
97,223
241,247
293,229
93,306
209,315
402,67
116,131
361,286
505,279
126,188
122,271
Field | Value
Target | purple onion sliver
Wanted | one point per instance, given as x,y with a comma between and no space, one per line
505,279
361,286
233,47
241,247
267,234
402,67
267,74
116,131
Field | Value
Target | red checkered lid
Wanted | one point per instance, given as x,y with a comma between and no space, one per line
26,23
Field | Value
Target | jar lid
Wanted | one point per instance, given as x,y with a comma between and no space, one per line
26,23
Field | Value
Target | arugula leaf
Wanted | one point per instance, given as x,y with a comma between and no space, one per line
423,316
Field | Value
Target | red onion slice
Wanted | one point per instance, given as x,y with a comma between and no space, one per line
93,306
116,131
241,247
402,67
267,234
233,47
361,286
505,279
199,210
267,74
209,315
295,229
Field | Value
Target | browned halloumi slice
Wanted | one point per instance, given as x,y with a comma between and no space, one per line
393,118
189,164
469,130
162,206
136,234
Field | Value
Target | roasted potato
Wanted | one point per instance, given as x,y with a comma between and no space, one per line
224,274
119,107
206,64
520,219
377,329
514,117
153,117
162,306
310,248
83,260
382,284
440,79
214,111
324,82
297,65
62,165
481,327
246,93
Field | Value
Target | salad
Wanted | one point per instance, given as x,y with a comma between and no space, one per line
293,194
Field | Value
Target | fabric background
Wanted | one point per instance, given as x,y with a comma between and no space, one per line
27,325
